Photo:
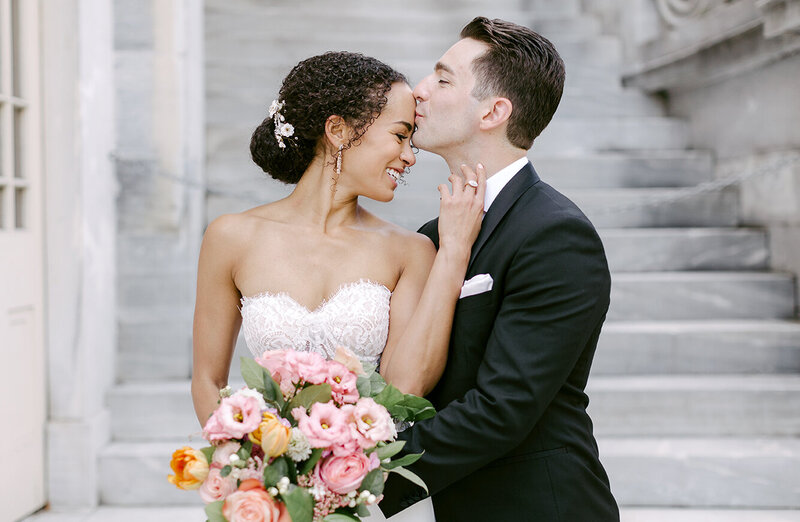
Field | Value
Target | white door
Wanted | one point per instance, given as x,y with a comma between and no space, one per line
22,365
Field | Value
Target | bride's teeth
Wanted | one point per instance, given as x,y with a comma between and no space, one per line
393,173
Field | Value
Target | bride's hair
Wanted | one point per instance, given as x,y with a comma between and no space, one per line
345,84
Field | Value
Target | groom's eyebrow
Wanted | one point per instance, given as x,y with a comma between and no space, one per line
406,125
442,67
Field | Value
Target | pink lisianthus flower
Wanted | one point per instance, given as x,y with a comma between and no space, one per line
343,383
283,373
223,452
344,474
235,417
216,487
371,423
326,426
349,359
311,367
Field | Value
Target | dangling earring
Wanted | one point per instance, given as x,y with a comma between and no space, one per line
338,167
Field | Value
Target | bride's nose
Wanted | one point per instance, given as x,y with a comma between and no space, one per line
407,156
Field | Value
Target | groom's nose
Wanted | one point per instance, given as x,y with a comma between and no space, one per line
421,90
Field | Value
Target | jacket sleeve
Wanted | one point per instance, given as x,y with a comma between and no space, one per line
556,292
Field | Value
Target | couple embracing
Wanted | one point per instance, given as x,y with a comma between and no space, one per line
492,311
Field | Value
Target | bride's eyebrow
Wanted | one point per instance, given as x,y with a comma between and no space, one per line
406,125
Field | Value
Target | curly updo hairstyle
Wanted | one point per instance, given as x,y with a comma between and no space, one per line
345,84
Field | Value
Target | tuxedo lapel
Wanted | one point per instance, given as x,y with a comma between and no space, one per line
521,181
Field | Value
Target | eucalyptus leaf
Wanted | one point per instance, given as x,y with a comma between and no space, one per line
224,472
275,471
389,397
373,482
390,450
300,504
311,462
208,452
371,385
405,460
411,476
256,376
362,511
214,511
310,395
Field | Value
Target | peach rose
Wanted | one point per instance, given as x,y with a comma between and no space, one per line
250,503
272,435
344,474
190,467
216,487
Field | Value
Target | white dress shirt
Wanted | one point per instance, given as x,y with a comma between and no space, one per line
496,183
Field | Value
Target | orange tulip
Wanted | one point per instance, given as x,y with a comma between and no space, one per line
190,467
271,435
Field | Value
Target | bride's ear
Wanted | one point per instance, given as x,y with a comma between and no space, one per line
496,114
337,131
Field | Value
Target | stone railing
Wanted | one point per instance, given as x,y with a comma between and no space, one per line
664,38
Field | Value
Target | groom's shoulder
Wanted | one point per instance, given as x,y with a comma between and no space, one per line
431,230
545,205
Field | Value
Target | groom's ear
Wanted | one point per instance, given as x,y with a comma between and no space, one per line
337,131
496,114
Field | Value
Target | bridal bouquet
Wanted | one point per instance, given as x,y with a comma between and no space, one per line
306,440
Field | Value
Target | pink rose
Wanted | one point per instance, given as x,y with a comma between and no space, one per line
282,372
372,422
349,359
216,487
326,426
223,452
311,367
235,417
252,504
344,474
343,383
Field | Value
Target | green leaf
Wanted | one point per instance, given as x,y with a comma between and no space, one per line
373,482
275,471
308,465
291,468
224,472
209,453
214,511
245,450
411,476
340,517
256,376
420,407
300,504
389,397
390,450
371,385
362,511
405,460
310,395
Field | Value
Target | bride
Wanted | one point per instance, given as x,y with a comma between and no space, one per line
315,269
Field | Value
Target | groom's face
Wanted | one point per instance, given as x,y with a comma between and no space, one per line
447,115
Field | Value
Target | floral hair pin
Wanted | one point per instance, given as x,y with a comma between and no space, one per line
282,128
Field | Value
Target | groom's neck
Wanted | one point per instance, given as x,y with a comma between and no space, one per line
493,158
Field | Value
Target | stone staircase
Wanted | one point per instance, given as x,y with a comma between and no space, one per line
695,389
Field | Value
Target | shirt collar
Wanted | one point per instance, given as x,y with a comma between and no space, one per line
496,183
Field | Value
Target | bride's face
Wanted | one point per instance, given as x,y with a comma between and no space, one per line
371,167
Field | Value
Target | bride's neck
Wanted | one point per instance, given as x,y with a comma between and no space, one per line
315,202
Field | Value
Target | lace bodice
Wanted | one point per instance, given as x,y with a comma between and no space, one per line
355,316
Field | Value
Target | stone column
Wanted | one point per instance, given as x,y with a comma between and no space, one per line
78,137
159,165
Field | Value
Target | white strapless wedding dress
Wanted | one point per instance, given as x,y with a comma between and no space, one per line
355,316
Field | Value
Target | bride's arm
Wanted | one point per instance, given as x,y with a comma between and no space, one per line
216,316
425,297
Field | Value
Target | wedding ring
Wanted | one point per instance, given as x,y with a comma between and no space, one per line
472,183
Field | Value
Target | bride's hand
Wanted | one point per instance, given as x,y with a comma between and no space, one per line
461,211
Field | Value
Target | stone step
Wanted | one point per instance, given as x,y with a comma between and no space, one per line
695,405
701,296
253,49
698,347
195,514
632,170
676,249
704,472
697,472
622,208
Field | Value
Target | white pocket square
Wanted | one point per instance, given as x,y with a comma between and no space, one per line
477,285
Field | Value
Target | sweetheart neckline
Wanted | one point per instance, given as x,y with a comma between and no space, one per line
246,300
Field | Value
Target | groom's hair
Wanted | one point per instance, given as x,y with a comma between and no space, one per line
520,65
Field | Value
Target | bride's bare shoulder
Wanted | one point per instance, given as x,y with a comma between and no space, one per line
232,230
405,241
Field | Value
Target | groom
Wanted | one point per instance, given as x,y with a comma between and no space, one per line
511,440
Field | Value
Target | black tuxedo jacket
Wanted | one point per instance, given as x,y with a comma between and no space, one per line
511,440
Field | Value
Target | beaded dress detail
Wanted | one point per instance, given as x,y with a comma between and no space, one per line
356,316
